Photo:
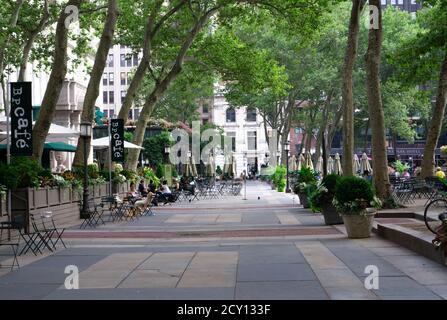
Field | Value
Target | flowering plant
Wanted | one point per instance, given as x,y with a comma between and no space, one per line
118,168
444,149
119,178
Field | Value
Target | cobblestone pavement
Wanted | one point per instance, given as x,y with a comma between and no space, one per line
230,248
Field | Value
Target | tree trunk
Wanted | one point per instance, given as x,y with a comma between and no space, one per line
435,123
379,152
160,89
88,109
55,83
347,87
30,42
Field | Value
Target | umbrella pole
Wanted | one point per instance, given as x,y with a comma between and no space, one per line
323,145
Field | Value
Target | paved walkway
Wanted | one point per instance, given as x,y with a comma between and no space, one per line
266,247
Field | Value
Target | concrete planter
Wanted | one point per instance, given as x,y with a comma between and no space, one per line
331,215
359,225
303,200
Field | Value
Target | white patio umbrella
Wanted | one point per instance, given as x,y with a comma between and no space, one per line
364,164
104,143
301,162
210,169
230,166
319,165
356,164
330,165
308,161
55,131
337,165
193,167
292,164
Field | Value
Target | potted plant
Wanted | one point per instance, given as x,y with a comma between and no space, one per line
321,200
305,184
355,201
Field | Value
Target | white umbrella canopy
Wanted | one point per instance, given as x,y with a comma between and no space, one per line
308,161
356,164
337,165
104,143
193,167
301,162
210,170
230,166
55,131
364,164
330,165
319,165
292,163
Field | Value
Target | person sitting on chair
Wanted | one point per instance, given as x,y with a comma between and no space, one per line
142,189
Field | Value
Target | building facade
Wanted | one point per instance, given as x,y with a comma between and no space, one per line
245,128
406,5
121,63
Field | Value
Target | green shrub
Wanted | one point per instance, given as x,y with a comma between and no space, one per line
353,195
282,185
306,177
8,176
160,171
324,193
330,182
28,171
218,171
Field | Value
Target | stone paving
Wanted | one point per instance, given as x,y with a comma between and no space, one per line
268,248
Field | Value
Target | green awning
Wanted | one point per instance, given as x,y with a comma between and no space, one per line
52,146
60,146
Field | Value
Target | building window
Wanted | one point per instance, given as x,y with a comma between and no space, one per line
123,95
110,60
205,121
135,59
106,113
123,78
205,109
111,79
111,113
251,114
232,135
383,2
231,115
111,97
130,114
251,140
104,79
129,60
104,97
298,130
122,60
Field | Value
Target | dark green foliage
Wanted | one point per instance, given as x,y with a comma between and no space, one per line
28,171
330,182
307,175
154,148
218,171
350,189
160,170
8,177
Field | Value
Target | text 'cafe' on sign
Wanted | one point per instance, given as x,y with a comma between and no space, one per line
21,115
117,141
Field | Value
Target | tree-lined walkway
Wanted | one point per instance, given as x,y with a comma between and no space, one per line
267,248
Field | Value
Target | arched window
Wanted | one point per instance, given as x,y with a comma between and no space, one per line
251,114
231,115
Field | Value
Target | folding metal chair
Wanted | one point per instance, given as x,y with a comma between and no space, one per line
46,234
14,244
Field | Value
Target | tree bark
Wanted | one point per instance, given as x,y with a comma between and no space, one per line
55,82
150,32
88,109
31,39
435,123
347,87
161,87
379,152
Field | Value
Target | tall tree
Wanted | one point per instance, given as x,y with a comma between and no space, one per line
372,62
55,82
105,42
347,86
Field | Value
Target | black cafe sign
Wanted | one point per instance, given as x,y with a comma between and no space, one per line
117,141
21,114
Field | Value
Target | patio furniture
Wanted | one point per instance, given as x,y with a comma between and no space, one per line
94,214
13,244
45,223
